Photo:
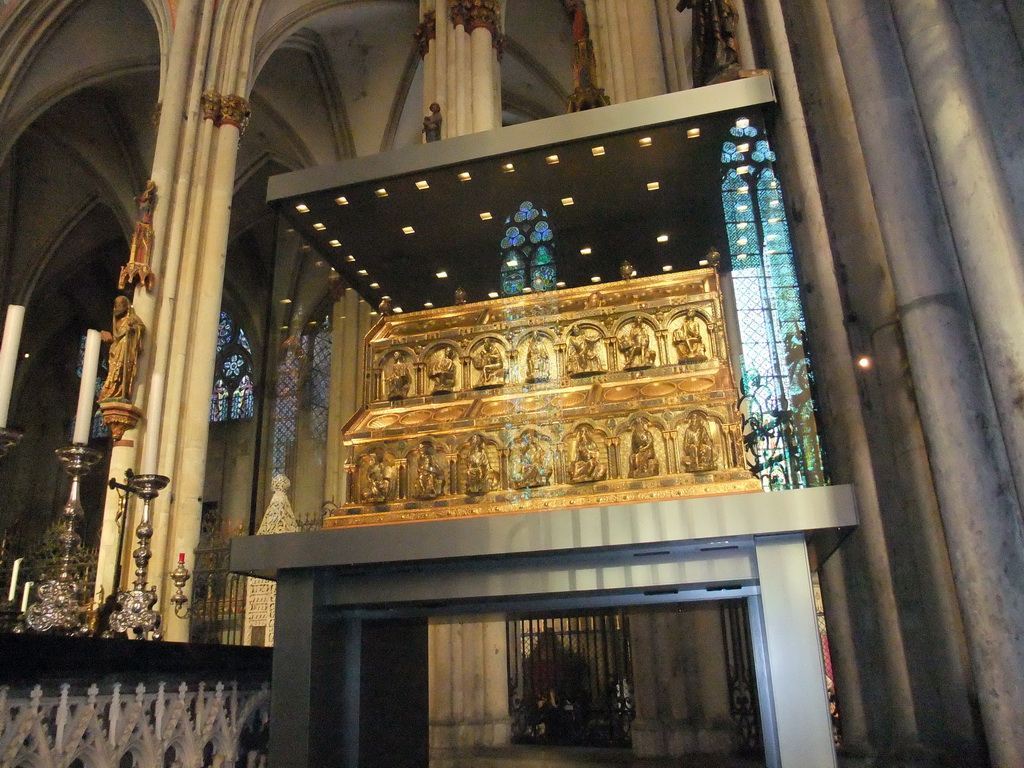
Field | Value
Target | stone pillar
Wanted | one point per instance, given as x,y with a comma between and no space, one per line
170,155
629,48
485,34
675,44
941,277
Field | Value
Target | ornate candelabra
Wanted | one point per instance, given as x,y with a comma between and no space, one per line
8,439
179,576
59,607
135,605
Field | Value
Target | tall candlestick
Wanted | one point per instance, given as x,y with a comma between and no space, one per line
24,595
9,357
14,580
87,392
153,408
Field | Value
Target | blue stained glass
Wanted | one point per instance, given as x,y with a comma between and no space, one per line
223,331
543,278
518,257
232,392
512,283
762,152
244,340
219,402
233,366
513,238
543,255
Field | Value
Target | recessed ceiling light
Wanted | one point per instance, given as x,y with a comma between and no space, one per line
373,313
702,263
286,301
597,151
362,272
464,176
662,238
560,284
350,257
442,274
319,226
341,200
741,225
693,133
741,256
428,304
742,123
508,168
667,268
595,279
646,141
399,310
422,184
742,207
381,192
527,289
745,189
551,159
492,295
743,169
485,216
284,327
375,286
335,243
302,208
408,231
567,201
742,147
512,263
305,247
586,251
741,241
653,185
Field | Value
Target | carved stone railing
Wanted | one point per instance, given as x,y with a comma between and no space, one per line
158,725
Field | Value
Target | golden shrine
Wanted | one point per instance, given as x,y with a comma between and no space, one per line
611,394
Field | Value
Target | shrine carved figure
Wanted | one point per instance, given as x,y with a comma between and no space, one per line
396,377
375,478
586,466
643,458
491,363
688,339
698,448
715,55
634,343
531,462
125,339
582,351
432,123
429,472
538,364
479,476
441,371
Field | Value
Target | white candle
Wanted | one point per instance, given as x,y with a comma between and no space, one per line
24,595
87,392
9,357
14,580
151,449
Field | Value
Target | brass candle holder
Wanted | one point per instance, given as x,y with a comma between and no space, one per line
59,607
8,439
135,606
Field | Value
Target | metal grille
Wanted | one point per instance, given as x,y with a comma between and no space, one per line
570,680
218,596
739,669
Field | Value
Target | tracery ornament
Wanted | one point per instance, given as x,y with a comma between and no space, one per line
698,447
643,457
587,465
531,461
634,342
137,268
425,31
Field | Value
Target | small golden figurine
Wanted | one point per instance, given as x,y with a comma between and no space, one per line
441,371
460,295
125,341
396,377
635,344
627,271
698,450
491,364
688,339
587,466
429,472
643,460
478,467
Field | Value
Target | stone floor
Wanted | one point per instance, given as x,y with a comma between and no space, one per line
548,757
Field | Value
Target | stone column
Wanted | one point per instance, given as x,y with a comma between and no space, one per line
484,34
942,278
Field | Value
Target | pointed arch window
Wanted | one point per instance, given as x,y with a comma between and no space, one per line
776,378
233,393
528,252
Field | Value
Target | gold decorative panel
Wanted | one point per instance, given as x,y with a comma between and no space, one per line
581,397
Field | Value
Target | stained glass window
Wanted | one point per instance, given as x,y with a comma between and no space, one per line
98,428
233,390
286,409
776,378
528,251
320,382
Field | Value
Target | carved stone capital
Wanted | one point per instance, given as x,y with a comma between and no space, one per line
425,31
210,101
234,110
484,13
